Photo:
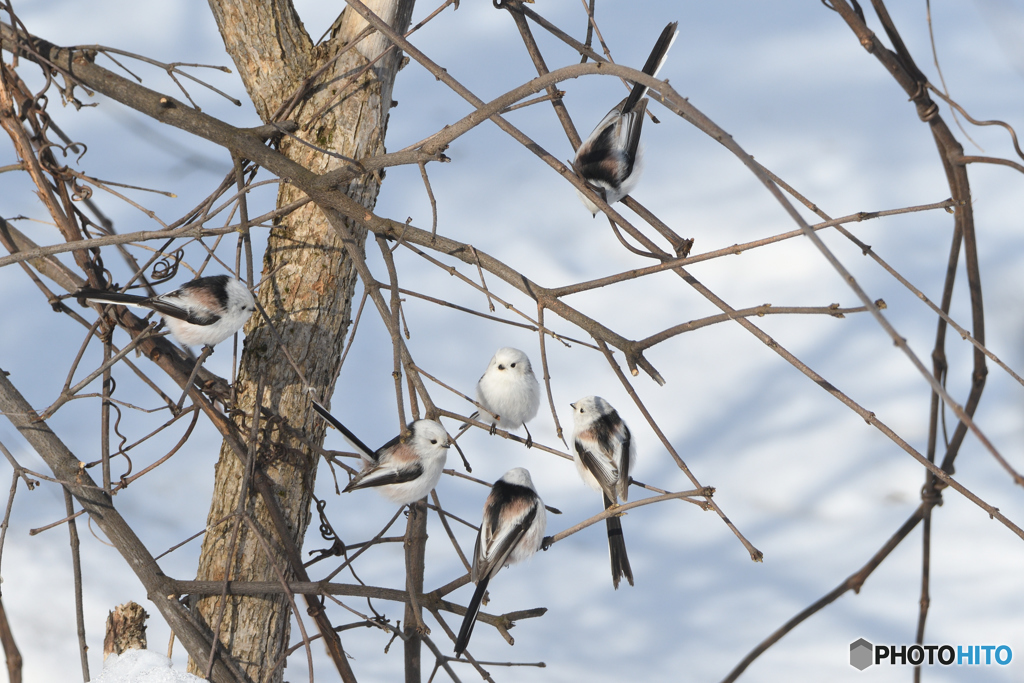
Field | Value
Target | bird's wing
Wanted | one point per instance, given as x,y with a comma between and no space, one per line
384,474
595,462
397,463
625,446
200,298
502,529
593,159
614,441
480,564
171,305
633,122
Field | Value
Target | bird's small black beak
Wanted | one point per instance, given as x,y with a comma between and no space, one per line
573,406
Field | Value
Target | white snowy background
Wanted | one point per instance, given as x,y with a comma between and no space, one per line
811,485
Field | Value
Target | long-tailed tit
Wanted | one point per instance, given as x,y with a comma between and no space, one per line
403,471
509,391
205,311
605,453
511,531
609,159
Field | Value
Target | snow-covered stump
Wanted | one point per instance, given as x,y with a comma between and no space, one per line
126,629
125,657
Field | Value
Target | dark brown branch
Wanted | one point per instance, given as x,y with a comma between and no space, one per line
740,248
833,310
415,554
991,160
11,652
76,567
705,492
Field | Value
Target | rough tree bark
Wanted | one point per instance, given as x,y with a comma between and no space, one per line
308,297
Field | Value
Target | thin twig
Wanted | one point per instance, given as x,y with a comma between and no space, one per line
76,567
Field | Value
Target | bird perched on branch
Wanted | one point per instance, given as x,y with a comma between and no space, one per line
404,469
609,159
511,531
509,392
205,311
605,453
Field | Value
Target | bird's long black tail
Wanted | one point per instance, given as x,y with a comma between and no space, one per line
367,452
654,62
465,425
470,620
154,303
104,296
617,549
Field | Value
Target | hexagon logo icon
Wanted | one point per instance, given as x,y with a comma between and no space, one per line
861,652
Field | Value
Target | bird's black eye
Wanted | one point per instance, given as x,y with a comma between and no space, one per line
513,365
433,441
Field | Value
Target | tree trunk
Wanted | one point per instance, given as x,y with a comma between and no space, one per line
308,298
